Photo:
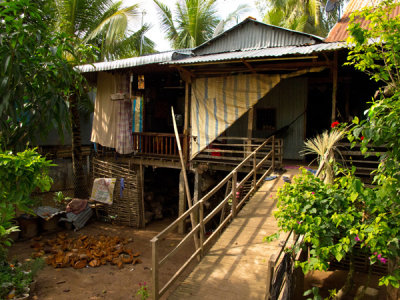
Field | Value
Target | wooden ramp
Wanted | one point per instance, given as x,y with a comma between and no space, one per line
236,266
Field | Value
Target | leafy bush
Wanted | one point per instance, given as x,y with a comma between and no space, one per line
15,277
20,175
332,217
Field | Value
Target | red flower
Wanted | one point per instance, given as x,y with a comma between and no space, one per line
334,124
362,137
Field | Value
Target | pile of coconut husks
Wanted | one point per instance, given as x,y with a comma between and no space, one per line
85,250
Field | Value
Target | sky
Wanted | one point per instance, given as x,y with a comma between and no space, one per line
224,7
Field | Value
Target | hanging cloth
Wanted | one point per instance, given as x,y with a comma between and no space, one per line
218,102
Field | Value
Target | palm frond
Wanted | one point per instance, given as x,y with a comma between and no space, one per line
167,23
231,17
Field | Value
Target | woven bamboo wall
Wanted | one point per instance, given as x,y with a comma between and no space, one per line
128,209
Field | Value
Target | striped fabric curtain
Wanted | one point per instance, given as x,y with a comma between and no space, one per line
218,102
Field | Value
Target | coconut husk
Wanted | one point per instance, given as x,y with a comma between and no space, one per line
85,251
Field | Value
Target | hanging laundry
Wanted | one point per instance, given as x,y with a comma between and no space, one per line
124,135
121,188
137,120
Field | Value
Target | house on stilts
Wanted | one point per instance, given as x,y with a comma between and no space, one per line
230,94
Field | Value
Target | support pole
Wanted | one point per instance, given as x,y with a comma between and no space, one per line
334,86
250,125
197,191
154,259
186,123
182,205
188,197
234,191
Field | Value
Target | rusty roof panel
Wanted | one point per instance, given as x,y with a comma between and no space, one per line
339,32
135,61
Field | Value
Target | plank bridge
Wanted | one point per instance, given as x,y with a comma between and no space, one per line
251,172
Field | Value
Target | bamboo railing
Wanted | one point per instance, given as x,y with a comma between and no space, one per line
259,158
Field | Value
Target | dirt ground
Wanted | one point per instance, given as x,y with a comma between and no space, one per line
331,280
107,281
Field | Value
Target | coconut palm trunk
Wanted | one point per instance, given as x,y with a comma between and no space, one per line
80,185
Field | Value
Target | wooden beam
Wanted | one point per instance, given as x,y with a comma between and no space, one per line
249,60
186,120
185,74
292,66
334,85
249,66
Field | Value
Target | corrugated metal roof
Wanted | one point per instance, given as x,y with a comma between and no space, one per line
267,52
161,57
339,31
251,34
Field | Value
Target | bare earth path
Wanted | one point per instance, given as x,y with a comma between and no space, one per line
236,266
104,282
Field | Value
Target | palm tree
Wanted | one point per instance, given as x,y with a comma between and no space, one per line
196,21
106,25
301,15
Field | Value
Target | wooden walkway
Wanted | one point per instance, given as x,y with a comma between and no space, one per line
236,266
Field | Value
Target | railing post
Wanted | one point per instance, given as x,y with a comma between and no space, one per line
234,196
155,288
255,170
202,229
270,276
273,153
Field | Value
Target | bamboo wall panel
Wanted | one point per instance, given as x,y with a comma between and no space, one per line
128,208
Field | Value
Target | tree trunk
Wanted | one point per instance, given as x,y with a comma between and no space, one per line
349,281
392,292
80,186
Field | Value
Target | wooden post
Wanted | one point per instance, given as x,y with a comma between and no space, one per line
273,153
186,117
154,273
250,125
234,198
270,276
188,197
255,170
334,86
186,123
141,171
202,229
197,191
182,206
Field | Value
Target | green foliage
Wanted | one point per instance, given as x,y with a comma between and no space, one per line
306,16
376,46
376,52
15,277
20,175
328,215
143,291
195,22
334,217
106,25
35,78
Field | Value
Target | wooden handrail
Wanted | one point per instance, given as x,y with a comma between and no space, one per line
203,220
159,144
